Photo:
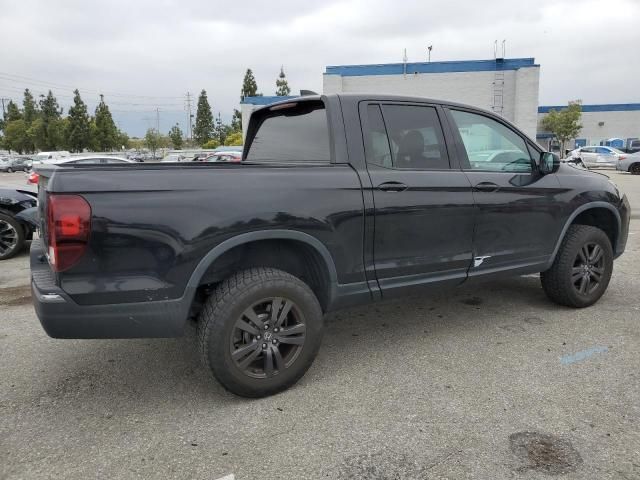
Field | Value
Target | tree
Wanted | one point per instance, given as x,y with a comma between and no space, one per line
152,140
236,121
47,130
234,139
13,112
79,132
16,136
203,131
282,86
211,144
175,134
564,124
249,86
220,130
122,140
106,132
29,107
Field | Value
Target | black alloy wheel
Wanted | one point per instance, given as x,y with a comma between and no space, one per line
268,337
588,268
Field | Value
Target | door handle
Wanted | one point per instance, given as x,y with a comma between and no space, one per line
392,187
487,187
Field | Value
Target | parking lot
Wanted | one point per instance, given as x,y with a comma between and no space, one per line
489,382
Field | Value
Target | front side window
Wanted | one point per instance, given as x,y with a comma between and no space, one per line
292,134
490,145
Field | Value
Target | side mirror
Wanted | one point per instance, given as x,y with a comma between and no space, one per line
549,163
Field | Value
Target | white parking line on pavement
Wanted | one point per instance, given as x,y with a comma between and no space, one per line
231,476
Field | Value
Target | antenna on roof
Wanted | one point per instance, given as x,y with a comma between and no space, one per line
404,62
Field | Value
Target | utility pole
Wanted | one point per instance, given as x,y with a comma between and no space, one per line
190,129
429,48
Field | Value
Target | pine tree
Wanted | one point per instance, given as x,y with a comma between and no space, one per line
29,107
78,132
47,130
282,86
13,112
203,131
236,121
220,130
105,133
175,134
249,86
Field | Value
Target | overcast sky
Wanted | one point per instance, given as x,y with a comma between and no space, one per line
133,50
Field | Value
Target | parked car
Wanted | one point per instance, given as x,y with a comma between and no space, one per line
15,164
50,157
174,157
13,231
259,251
33,177
224,157
631,164
596,156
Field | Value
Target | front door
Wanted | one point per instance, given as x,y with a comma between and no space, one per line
518,220
423,208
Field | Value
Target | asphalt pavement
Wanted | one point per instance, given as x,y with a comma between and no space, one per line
491,382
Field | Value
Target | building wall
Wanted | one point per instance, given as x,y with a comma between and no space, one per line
617,124
473,88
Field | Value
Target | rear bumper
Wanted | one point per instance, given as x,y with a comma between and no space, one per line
61,317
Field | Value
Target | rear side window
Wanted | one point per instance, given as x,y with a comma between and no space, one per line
415,137
296,134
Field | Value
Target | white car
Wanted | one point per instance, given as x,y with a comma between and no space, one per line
631,164
174,157
596,156
51,157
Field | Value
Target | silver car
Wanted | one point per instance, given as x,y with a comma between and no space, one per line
596,156
629,163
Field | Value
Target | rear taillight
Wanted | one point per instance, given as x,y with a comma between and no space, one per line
68,229
33,178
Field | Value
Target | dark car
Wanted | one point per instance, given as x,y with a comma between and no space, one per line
14,232
15,164
339,200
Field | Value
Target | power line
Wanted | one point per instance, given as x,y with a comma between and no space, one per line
34,81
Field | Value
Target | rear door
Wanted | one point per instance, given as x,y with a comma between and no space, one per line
423,207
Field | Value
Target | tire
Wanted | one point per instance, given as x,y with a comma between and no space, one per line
635,169
11,237
247,299
9,170
565,282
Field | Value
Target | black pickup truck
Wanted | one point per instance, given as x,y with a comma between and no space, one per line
339,200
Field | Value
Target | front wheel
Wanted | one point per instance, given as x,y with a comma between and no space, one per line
9,170
582,268
260,331
635,169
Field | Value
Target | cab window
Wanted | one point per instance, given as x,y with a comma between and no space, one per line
490,145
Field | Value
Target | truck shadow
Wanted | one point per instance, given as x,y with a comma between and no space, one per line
126,375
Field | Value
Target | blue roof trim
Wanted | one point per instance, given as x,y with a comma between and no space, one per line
431,67
266,100
608,107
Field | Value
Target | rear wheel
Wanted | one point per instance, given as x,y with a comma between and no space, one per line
260,331
582,268
11,237
635,169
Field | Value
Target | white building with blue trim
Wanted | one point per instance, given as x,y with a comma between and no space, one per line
507,86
